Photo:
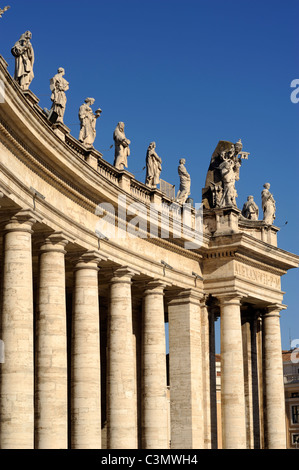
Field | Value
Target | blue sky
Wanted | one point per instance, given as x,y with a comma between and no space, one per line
184,74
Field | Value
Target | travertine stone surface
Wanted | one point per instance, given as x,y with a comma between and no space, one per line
17,372
51,347
185,368
274,387
232,374
85,367
154,404
121,387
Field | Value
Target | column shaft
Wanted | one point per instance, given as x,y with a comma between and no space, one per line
206,374
185,366
17,372
154,404
274,387
51,348
121,374
85,362
232,375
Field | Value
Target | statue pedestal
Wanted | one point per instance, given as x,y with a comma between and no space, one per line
60,130
222,221
156,196
124,180
31,97
92,157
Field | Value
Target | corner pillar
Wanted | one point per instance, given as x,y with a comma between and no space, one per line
185,366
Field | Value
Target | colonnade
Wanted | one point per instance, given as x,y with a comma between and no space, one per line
37,410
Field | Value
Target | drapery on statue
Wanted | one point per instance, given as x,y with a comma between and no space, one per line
153,166
58,86
122,149
223,172
268,205
24,60
88,119
185,183
250,209
3,10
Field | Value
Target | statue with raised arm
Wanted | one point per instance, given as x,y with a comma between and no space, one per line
3,10
250,209
122,149
268,205
58,86
24,60
185,183
88,119
153,166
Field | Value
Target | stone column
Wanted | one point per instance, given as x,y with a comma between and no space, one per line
154,404
212,369
232,374
85,357
273,379
248,385
121,374
17,372
206,372
51,347
185,367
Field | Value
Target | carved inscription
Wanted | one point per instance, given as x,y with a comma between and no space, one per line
257,276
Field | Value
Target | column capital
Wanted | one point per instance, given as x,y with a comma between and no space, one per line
123,274
21,221
88,260
274,310
56,241
155,286
233,297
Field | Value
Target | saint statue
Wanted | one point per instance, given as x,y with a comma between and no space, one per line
250,209
153,166
58,86
24,60
268,205
88,119
122,149
185,183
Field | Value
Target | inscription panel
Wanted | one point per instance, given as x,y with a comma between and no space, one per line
257,275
